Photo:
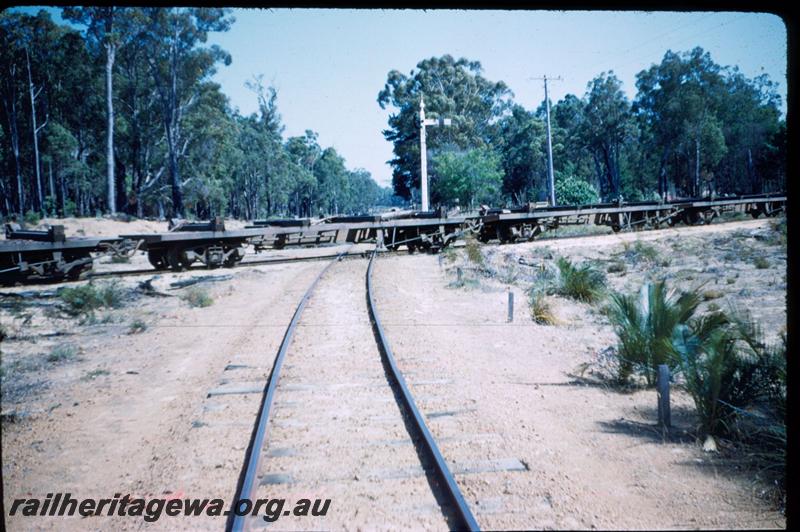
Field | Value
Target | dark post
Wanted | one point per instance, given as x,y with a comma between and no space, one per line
664,417
458,272
510,306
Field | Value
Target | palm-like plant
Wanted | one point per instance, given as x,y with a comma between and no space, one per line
583,283
645,324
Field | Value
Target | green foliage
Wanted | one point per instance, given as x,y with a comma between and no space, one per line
645,324
452,88
197,296
468,178
89,297
540,308
728,368
583,283
616,267
62,353
641,251
137,326
474,252
573,191
32,218
761,262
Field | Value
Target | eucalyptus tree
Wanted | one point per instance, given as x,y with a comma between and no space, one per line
109,28
452,88
173,39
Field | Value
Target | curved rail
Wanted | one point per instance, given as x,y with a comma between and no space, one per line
248,476
466,521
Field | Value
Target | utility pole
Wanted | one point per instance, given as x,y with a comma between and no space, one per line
423,150
551,179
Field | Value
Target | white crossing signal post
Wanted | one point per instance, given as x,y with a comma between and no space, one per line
423,151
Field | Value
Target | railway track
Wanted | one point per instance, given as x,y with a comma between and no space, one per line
259,262
336,418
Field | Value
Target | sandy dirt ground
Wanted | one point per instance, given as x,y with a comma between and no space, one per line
130,413
152,399
595,457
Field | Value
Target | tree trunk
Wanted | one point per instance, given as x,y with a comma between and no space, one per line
697,166
112,196
52,187
35,133
10,105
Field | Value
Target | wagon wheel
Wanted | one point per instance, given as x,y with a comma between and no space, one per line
157,259
74,273
177,260
234,258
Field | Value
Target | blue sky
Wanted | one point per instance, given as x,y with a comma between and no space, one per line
329,65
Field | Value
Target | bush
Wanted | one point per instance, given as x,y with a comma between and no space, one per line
728,368
641,251
89,297
616,267
474,253
574,191
32,218
62,352
198,297
137,326
645,324
582,283
761,263
541,311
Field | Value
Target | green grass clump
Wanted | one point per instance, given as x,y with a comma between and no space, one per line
645,323
137,326
540,308
89,297
616,267
32,218
120,259
473,249
761,263
708,295
641,251
91,375
62,353
198,297
582,283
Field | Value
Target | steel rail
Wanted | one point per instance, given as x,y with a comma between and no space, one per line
466,521
249,473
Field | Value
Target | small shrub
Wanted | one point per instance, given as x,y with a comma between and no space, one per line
474,254
120,259
582,283
616,267
89,297
62,353
32,218
91,375
645,323
541,310
449,255
761,263
137,326
730,280
198,297
641,252
708,295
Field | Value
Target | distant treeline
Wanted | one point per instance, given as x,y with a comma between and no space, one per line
694,128
122,116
